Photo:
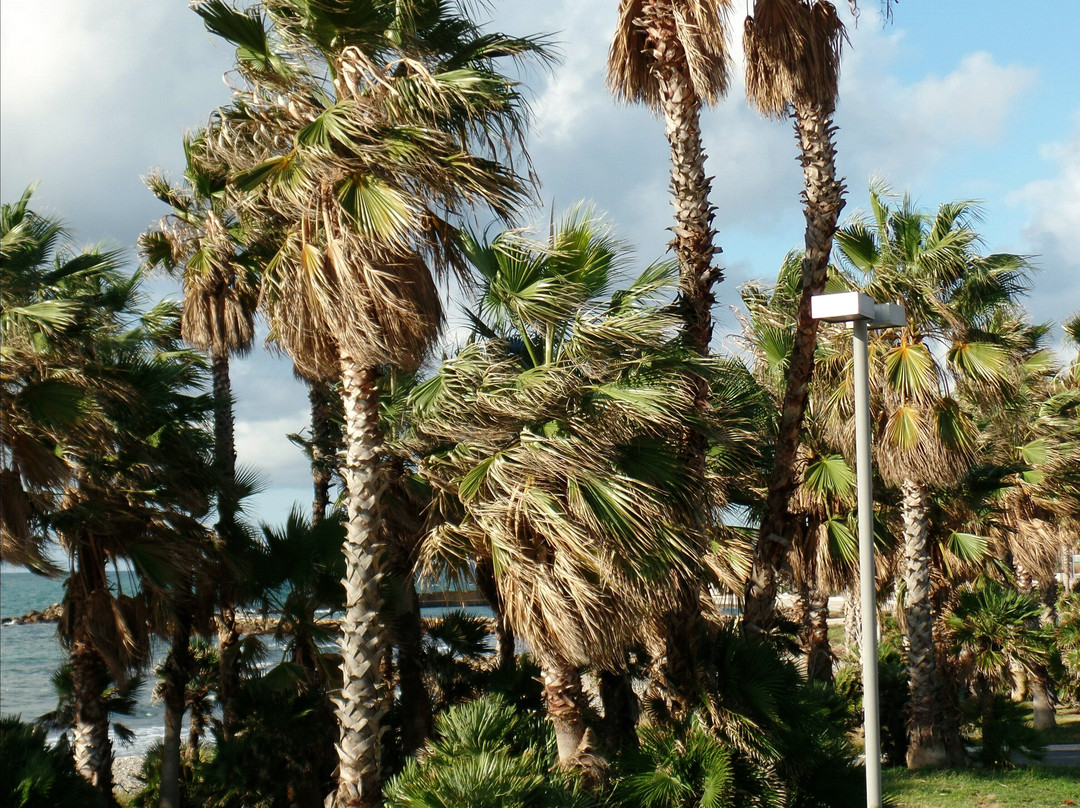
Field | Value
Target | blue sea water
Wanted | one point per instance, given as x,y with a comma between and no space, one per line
30,653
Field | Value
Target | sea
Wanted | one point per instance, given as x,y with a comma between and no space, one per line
29,654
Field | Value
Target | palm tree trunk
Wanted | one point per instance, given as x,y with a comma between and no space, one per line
415,701
361,705
819,656
690,187
823,199
225,462
694,249
92,745
852,624
322,452
196,728
563,698
925,746
620,709
228,667
224,432
1044,715
504,633
177,673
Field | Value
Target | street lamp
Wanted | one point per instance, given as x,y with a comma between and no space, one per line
863,313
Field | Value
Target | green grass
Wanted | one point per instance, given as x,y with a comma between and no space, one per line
1036,787
1067,729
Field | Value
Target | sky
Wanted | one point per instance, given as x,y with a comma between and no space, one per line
966,99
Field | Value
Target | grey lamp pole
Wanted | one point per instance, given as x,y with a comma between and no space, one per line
863,314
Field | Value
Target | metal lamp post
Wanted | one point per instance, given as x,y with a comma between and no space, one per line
863,313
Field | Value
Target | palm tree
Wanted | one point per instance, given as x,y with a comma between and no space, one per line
559,428
925,438
671,56
990,629
50,302
201,240
824,551
350,142
127,428
792,68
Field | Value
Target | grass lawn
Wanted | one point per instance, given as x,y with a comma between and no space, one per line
1036,787
1067,729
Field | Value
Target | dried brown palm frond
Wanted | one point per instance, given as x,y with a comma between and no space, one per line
729,558
648,30
793,50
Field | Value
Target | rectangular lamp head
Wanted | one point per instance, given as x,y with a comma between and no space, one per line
842,307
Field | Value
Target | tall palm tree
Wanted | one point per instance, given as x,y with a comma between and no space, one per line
351,140
138,493
823,552
990,629
201,241
925,438
122,416
671,56
559,426
792,69
51,300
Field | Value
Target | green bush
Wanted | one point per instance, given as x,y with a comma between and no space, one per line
893,695
36,775
681,767
1006,736
485,755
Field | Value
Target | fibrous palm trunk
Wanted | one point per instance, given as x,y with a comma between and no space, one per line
563,698
690,187
92,746
177,673
819,656
225,462
361,705
925,744
224,431
823,199
322,452
694,249
852,625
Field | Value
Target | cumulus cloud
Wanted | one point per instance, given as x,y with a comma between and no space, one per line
262,445
904,132
1052,233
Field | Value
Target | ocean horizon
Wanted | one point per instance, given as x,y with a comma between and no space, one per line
30,653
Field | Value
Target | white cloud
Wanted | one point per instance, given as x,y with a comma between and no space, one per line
1052,233
262,445
906,132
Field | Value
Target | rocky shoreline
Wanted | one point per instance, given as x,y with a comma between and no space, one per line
50,614
245,624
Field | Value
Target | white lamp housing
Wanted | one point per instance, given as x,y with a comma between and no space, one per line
846,307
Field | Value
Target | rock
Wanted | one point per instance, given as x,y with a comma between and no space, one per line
126,771
50,615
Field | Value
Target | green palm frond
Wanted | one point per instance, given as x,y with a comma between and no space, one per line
910,370
980,361
830,476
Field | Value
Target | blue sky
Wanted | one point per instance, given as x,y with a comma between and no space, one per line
967,99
